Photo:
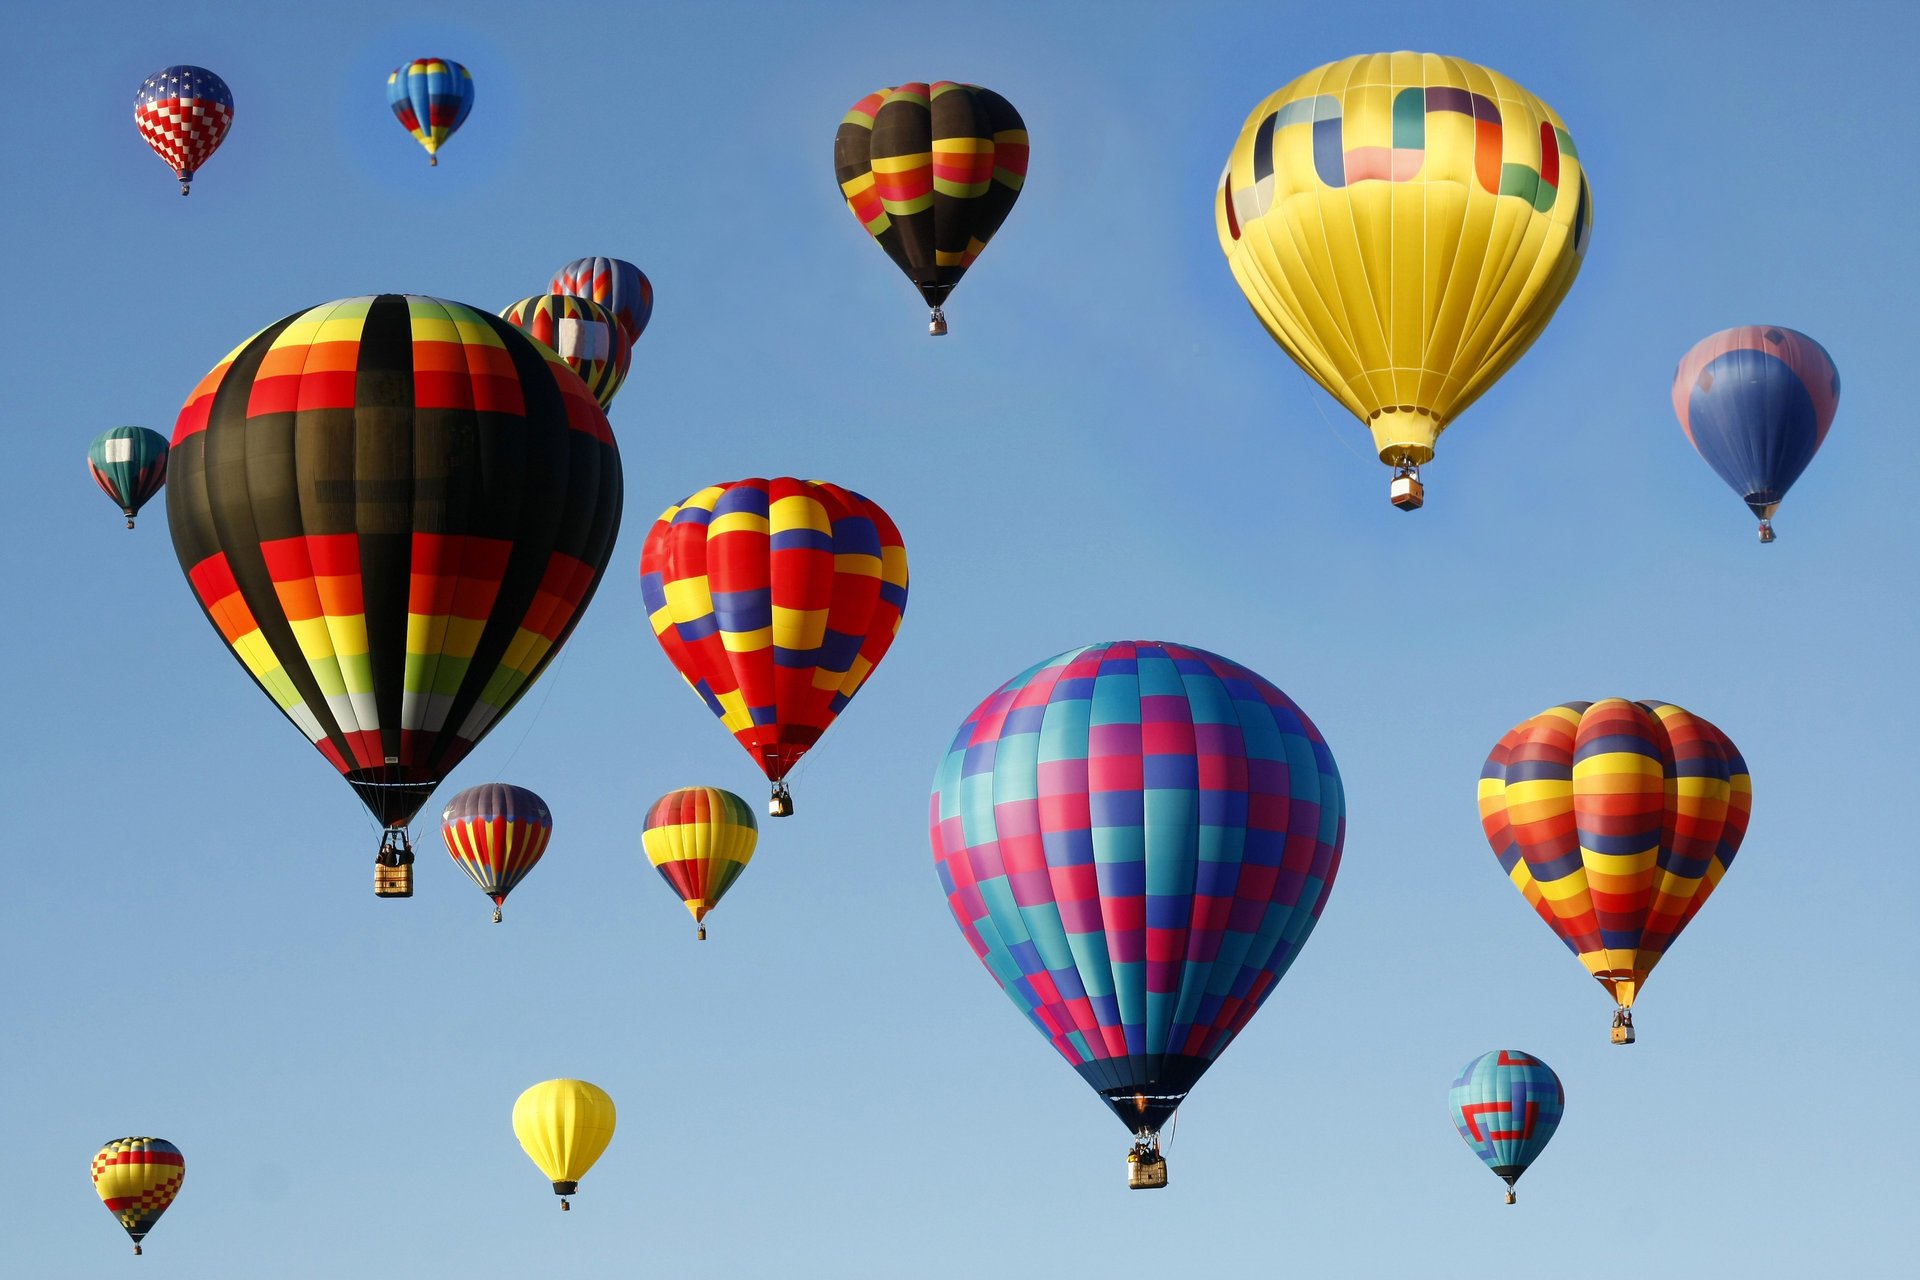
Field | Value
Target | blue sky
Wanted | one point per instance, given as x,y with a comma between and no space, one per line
1107,446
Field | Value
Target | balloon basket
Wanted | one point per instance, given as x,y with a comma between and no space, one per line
1622,1027
1510,1196
393,868
1766,531
937,324
781,805
1146,1167
1407,493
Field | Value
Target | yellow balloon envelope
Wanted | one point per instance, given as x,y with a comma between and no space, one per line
1404,224
564,1126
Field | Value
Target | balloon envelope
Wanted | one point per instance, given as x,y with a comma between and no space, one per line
496,832
1506,1105
130,465
1616,820
564,1126
615,284
1136,839
1404,225
137,1178
183,113
1756,401
394,509
430,97
700,839
584,334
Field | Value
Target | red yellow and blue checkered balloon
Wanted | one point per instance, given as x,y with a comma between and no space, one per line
496,832
137,1178
700,839
430,97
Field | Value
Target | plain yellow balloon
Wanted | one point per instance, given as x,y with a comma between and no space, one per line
564,1126
1404,225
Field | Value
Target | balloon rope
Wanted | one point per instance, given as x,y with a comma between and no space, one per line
552,673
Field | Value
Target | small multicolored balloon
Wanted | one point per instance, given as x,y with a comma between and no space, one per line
1756,402
496,832
700,839
1506,1105
931,171
137,1178
183,113
582,333
615,284
431,98
130,466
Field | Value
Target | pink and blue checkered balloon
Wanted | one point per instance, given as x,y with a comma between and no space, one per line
1136,839
1506,1105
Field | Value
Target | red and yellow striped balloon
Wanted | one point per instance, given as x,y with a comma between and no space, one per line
496,832
700,839
137,1178
1616,820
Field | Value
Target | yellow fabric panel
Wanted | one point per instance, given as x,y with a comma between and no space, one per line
800,629
797,511
564,1126
736,522
688,597
747,641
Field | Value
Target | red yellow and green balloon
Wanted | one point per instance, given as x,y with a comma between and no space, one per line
1616,821
582,333
564,1126
137,1178
931,171
430,97
130,466
775,600
700,839
496,832
1404,225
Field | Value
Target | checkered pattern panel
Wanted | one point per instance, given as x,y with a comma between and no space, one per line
183,113
137,1178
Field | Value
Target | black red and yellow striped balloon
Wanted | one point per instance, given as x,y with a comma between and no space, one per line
582,333
700,839
137,1178
394,510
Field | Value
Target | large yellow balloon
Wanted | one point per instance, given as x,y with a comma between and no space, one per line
1404,225
564,1126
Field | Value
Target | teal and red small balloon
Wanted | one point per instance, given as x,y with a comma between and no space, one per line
1506,1105
130,466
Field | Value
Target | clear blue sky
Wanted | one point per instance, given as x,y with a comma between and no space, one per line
1108,446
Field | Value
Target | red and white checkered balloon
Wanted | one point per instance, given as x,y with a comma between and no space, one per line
184,113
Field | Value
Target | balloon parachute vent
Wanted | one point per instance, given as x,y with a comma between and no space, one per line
937,324
393,867
1146,1167
781,805
1622,1027
1766,530
1406,492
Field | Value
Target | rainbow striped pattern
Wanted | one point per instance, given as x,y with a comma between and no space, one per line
931,171
582,333
496,832
1756,401
1616,820
137,1178
775,599
615,284
1506,1105
430,97
394,509
700,839
183,113
1136,839
130,465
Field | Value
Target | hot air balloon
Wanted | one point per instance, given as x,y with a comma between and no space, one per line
183,113
1404,225
564,1126
700,839
129,464
931,171
775,599
1756,401
1506,1105
394,509
615,284
1616,820
137,1178
496,832
583,333
1137,839
431,98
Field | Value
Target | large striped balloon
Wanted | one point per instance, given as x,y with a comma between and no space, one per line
130,465
931,171
183,113
1136,839
496,832
394,510
615,284
1616,820
775,599
582,333
700,839
1756,401
430,97
1506,1105
137,1178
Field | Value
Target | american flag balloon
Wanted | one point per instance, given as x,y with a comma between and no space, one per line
183,113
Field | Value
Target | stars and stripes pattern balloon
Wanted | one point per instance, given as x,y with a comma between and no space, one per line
1137,839
931,171
130,465
1506,1105
700,839
775,600
183,113
1756,402
496,832
430,97
582,333
615,284
394,509
137,1178
1616,820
